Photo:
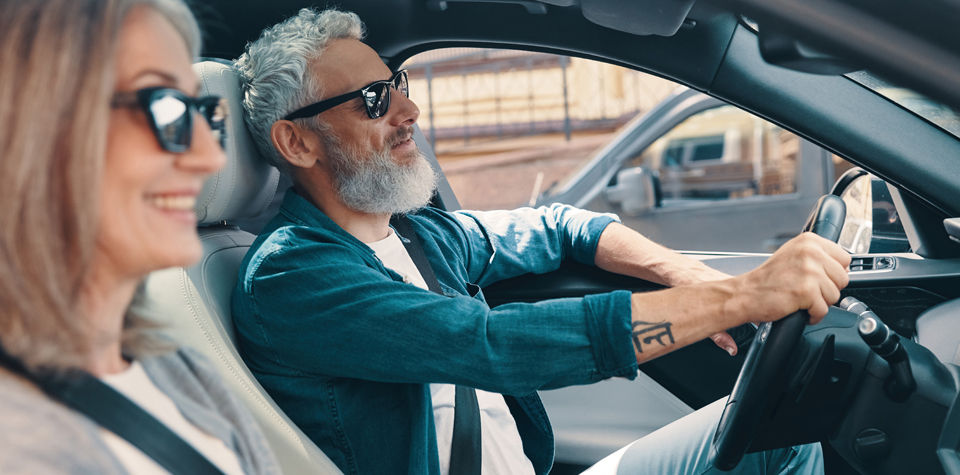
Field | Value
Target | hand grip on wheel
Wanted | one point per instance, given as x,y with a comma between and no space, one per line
827,218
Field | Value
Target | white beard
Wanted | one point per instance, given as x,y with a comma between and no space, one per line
377,184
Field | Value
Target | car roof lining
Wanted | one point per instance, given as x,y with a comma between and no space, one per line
567,32
412,27
883,36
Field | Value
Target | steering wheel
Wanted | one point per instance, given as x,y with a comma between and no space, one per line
763,373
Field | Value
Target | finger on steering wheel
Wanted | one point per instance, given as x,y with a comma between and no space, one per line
725,342
837,273
837,253
829,294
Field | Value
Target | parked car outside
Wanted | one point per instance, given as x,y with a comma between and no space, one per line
694,163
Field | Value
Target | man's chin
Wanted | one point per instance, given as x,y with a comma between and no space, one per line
406,156
400,180
391,207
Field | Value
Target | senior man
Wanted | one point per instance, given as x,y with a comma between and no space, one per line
334,310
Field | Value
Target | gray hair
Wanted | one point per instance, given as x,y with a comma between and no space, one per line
274,70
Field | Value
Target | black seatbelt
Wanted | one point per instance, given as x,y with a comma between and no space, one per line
465,450
114,412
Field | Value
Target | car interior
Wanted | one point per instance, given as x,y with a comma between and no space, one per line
876,414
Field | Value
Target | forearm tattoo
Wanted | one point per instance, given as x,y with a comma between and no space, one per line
657,332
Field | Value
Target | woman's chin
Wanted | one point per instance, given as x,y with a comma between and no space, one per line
184,252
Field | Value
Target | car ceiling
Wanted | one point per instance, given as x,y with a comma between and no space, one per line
882,35
398,29
711,51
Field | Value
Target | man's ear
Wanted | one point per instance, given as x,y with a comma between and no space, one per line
300,147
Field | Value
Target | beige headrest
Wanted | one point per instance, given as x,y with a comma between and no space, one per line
244,186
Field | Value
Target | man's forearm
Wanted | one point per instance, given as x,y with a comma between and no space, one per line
807,273
627,252
669,319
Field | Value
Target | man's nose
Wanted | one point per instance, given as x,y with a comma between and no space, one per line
403,111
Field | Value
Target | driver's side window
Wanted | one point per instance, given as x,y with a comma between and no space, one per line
516,128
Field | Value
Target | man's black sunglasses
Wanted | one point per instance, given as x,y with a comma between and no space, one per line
376,97
170,113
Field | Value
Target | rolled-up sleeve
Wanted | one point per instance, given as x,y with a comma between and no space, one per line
612,348
504,244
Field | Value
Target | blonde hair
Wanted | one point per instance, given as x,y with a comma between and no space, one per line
56,81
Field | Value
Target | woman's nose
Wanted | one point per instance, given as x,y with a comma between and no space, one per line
205,154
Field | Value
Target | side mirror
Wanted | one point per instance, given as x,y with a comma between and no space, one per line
637,190
858,227
873,222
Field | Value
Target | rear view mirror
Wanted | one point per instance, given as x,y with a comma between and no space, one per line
636,189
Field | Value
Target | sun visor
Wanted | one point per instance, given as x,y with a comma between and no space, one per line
639,17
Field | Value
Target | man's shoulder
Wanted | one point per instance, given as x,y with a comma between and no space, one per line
296,224
432,214
289,247
441,223
269,244
291,238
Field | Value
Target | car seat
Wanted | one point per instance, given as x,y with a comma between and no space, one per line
193,305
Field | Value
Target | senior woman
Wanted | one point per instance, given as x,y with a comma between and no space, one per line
103,150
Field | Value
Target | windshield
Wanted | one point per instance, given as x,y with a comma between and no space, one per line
934,112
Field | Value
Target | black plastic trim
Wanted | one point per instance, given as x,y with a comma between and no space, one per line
923,226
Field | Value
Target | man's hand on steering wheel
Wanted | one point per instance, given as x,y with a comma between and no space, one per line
806,273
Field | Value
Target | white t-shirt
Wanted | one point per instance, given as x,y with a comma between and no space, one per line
137,386
500,440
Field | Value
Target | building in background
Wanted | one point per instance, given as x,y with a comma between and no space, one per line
469,94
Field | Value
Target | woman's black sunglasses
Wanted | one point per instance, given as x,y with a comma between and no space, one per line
376,97
170,114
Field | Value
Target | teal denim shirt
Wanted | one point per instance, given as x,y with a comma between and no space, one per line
347,349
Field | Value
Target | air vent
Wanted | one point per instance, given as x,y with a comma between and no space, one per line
871,263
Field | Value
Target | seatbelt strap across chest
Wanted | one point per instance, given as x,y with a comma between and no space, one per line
465,450
111,410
